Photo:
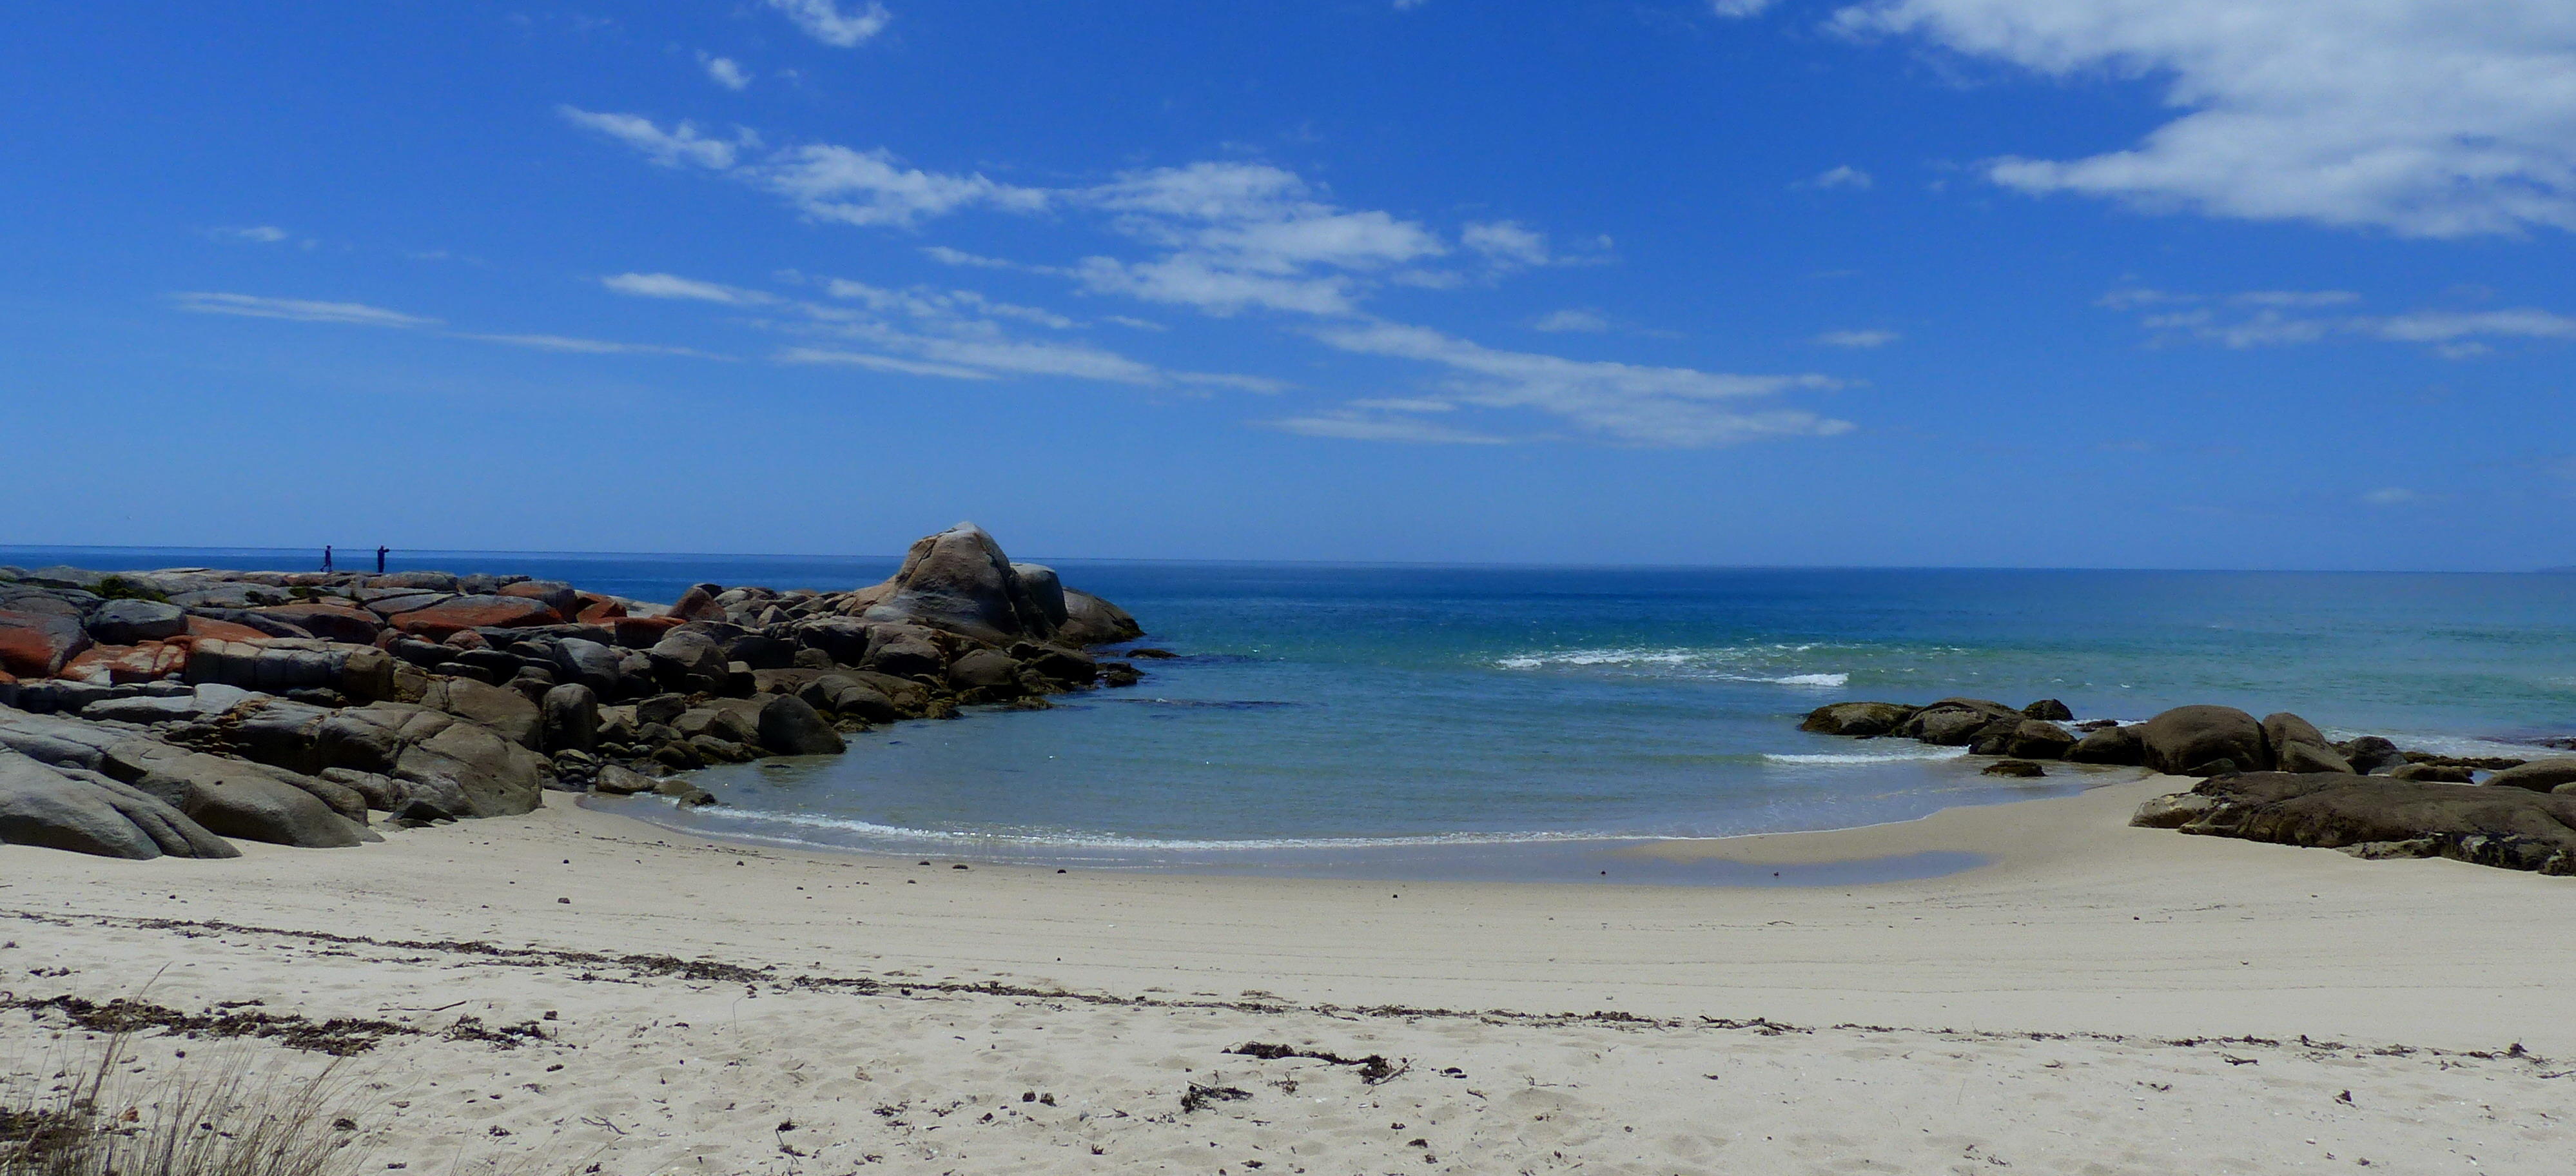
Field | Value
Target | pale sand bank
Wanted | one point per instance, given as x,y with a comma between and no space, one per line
2080,926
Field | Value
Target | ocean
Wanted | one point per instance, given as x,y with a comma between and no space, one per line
1391,720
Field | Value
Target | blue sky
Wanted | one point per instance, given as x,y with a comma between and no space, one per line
2164,283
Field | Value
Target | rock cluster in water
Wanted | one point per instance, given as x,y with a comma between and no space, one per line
155,713
2276,778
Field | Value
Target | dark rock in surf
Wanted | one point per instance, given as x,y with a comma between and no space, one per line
2205,741
1861,720
2109,745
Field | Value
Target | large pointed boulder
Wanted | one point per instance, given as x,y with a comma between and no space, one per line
960,581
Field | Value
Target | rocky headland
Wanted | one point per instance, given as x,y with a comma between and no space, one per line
2276,779
166,712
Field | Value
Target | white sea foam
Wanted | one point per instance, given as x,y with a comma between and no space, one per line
1825,680
1722,663
1909,753
745,822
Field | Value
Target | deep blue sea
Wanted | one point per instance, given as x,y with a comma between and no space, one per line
1321,715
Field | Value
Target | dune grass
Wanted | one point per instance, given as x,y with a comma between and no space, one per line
109,1117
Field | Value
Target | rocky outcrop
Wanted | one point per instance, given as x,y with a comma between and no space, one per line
2511,827
36,644
130,622
288,707
959,581
1090,621
1860,720
2548,775
2115,744
86,812
2205,741
788,725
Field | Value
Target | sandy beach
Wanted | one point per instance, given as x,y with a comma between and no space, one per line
2099,999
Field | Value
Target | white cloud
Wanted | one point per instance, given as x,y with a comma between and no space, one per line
256,234
2294,298
572,345
2442,326
1739,9
824,21
1626,403
1413,404
873,188
671,148
947,256
1212,288
1861,339
1572,320
1409,5
298,310
2390,496
1362,426
1224,238
1506,241
882,363
2425,117
922,302
2258,318
1842,176
726,72
1240,235
675,286
358,314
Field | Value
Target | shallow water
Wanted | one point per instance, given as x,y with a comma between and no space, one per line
1403,718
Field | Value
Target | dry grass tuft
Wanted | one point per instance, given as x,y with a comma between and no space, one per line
104,1118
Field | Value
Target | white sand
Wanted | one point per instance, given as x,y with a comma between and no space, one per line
2125,939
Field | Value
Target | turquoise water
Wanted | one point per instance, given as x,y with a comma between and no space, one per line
1325,715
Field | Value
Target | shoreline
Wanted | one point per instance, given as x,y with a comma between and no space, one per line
1509,859
2130,998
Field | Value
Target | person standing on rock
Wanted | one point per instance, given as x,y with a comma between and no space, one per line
326,557
380,560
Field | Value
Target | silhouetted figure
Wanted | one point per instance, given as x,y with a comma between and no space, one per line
326,557
380,560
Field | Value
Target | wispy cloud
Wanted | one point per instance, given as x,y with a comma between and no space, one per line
253,234
824,21
297,310
1587,321
2395,114
682,144
1223,238
725,71
1626,403
1362,426
2390,496
1843,176
2261,318
569,344
361,315
689,289
1859,339
881,363
1508,242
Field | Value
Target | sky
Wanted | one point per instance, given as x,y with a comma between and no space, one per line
2057,283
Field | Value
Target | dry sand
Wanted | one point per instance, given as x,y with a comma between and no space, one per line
2082,1005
